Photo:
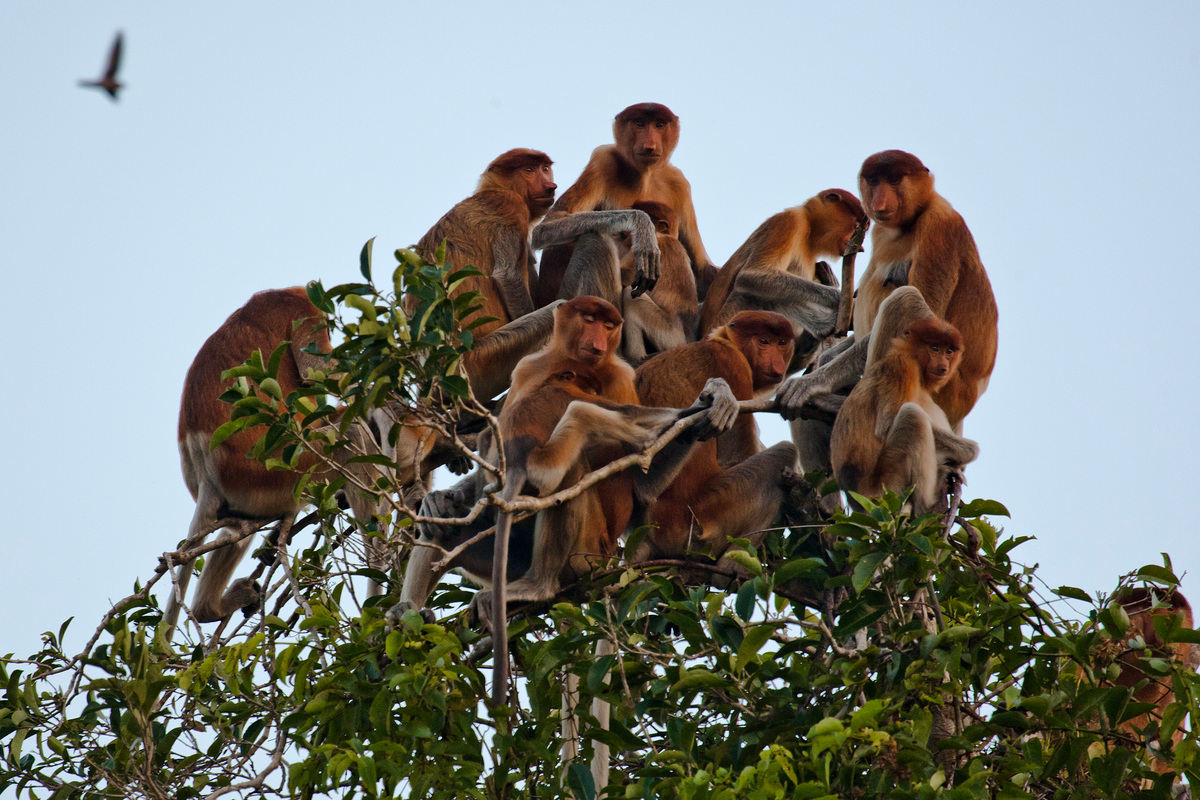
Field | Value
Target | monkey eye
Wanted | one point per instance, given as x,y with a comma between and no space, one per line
894,181
529,170
660,124
610,325
872,181
588,318
764,340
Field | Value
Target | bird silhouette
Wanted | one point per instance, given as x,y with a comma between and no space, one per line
108,81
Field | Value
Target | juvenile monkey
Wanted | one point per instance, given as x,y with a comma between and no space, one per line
884,435
667,315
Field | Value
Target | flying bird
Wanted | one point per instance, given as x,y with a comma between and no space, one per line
108,81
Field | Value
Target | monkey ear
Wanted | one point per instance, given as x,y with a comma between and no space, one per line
833,197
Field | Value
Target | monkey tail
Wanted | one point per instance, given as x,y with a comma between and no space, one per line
516,452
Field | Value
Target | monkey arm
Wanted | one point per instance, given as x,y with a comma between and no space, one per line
811,304
719,406
838,373
563,229
689,236
825,275
490,365
586,424
509,273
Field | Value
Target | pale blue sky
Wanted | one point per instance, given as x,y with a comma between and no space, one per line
258,145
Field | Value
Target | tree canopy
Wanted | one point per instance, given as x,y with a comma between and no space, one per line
868,655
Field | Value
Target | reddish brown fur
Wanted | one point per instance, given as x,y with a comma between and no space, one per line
917,364
636,168
513,193
664,217
586,330
268,319
790,241
750,353
913,223
1139,606
230,489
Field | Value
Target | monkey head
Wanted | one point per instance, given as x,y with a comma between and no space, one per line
937,346
833,215
527,172
646,134
895,187
767,340
588,328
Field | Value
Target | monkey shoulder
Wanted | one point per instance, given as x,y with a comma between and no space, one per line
501,207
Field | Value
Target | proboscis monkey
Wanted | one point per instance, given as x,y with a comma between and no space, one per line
884,436
729,486
239,493
667,315
599,204
776,269
920,241
490,231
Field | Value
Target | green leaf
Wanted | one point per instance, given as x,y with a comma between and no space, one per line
980,508
1071,593
745,560
864,570
579,779
1157,574
364,258
755,638
698,678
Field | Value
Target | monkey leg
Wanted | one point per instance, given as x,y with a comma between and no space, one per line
594,269
213,602
557,536
746,498
205,520
909,458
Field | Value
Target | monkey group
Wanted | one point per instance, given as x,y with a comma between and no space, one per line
624,328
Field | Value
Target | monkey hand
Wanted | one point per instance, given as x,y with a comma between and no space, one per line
443,504
721,409
795,392
645,255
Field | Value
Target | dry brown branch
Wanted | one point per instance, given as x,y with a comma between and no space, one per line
846,303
